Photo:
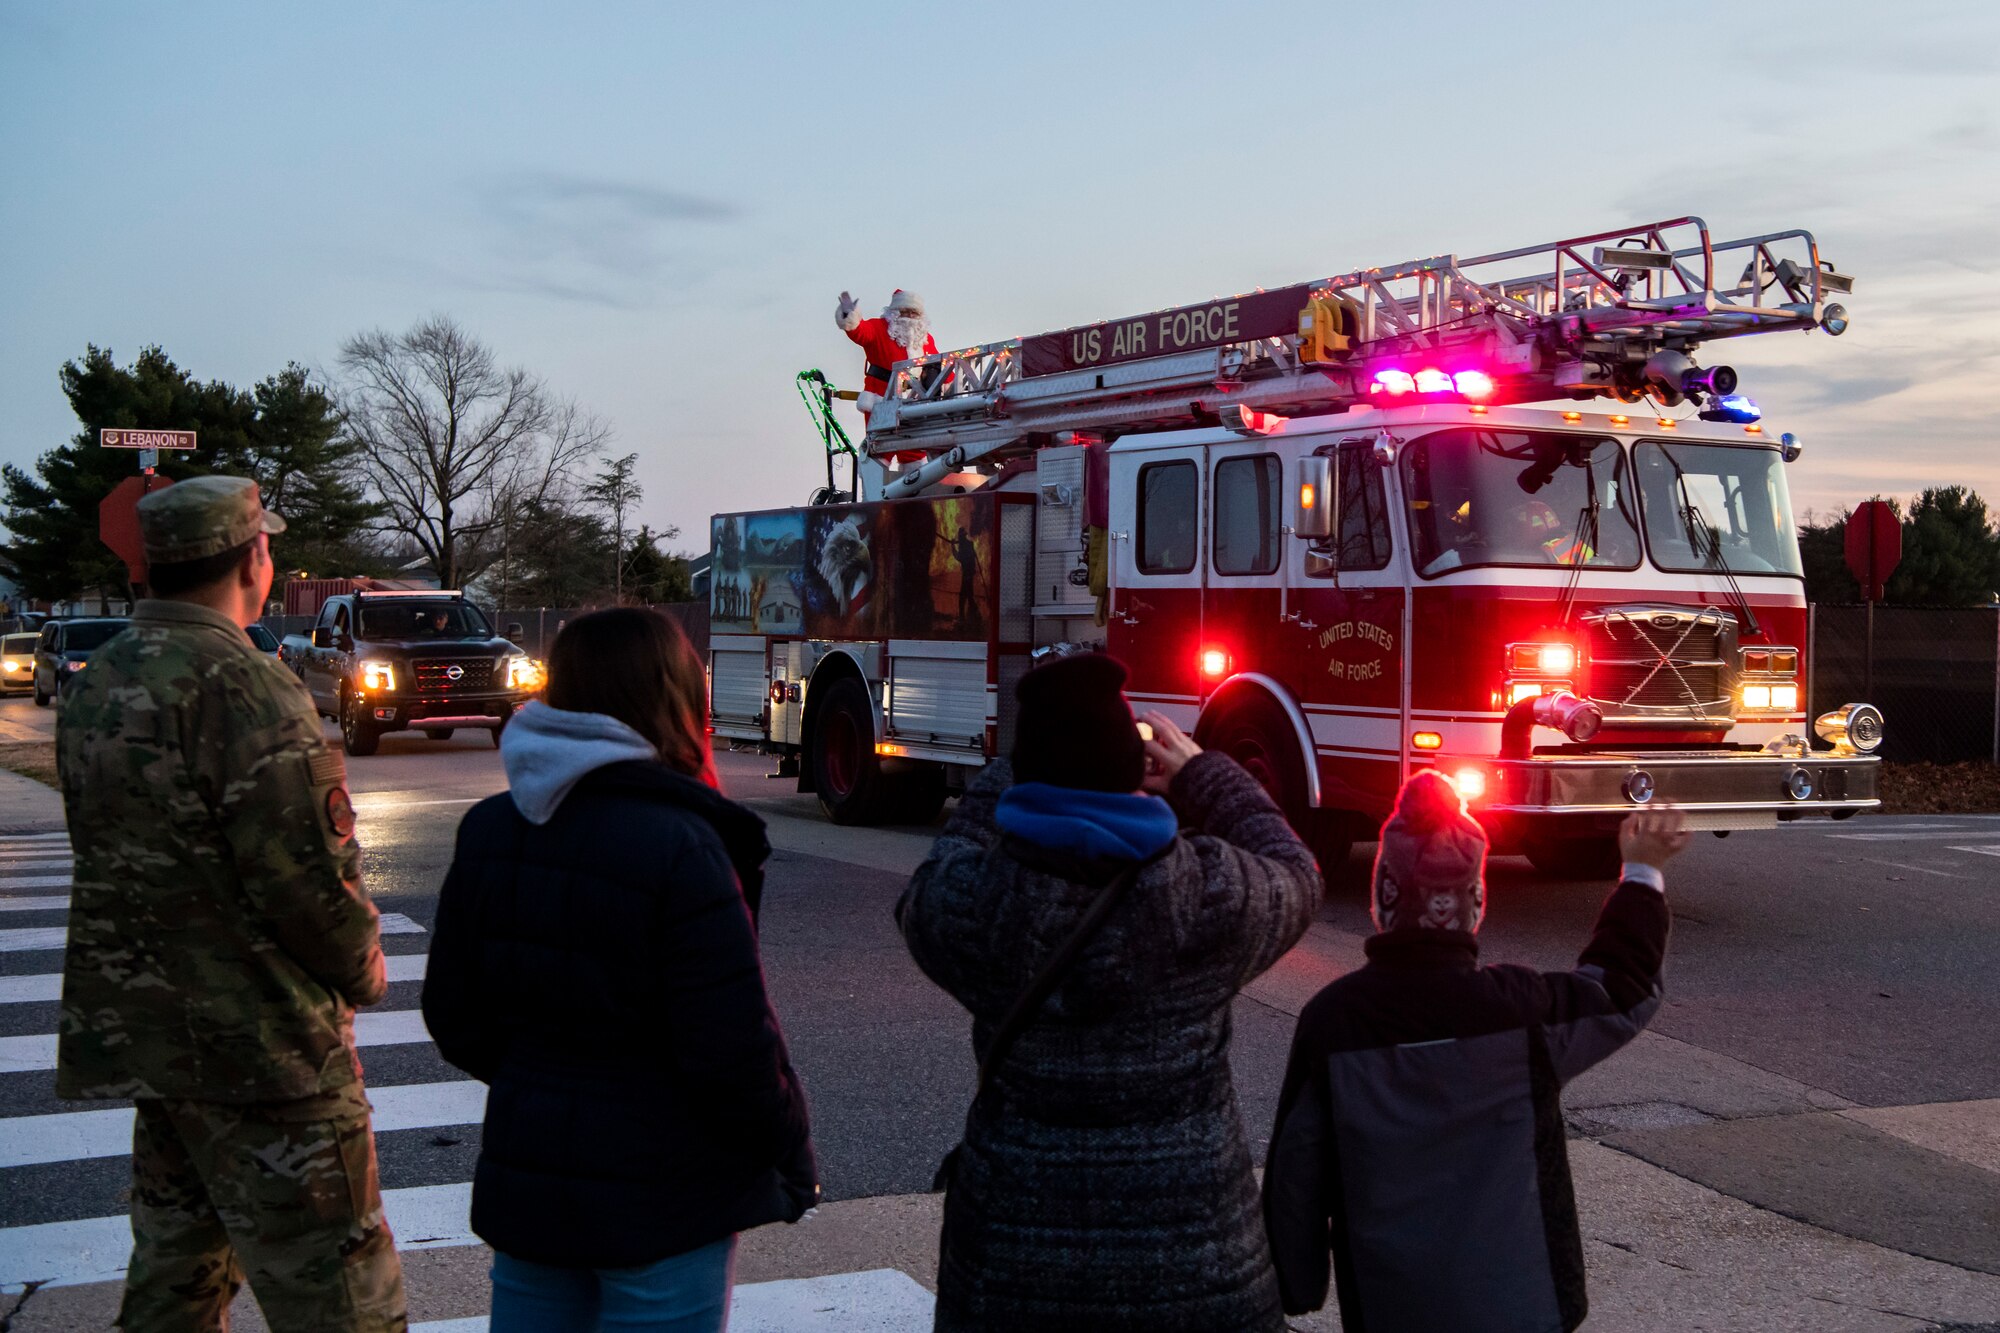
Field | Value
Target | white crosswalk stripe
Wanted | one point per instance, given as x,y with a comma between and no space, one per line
43,904
48,985
398,1027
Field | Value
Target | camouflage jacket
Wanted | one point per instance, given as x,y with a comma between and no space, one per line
219,938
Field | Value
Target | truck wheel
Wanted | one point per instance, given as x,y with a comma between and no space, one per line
846,772
1257,735
358,735
441,733
41,699
1574,858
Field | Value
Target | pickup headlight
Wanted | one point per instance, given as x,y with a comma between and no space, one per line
524,673
378,676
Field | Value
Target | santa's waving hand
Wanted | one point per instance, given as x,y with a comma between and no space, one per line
900,333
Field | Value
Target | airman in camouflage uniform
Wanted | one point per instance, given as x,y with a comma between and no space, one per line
219,941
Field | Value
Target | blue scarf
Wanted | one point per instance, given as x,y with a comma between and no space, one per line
1094,824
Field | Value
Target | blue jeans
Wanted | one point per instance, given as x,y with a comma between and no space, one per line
686,1293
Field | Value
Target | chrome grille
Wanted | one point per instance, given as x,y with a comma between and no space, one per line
433,675
1661,665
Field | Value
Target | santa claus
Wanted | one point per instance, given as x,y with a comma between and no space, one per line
901,333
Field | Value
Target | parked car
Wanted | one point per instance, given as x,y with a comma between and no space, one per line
266,641
65,646
17,663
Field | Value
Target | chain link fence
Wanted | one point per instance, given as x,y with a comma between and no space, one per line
1936,677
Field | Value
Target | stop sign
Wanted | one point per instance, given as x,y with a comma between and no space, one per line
1874,546
118,521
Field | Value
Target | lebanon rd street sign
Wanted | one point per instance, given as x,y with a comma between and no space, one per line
123,438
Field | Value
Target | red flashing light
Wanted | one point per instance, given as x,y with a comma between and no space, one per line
1471,783
1214,663
1430,380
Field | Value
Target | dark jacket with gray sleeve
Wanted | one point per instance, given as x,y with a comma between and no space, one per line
1105,1182
1419,1150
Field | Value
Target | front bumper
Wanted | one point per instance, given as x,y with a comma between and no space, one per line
1598,789
398,712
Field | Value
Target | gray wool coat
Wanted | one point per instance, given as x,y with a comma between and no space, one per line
1105,1181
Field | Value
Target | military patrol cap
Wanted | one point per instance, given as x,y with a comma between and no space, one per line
202,516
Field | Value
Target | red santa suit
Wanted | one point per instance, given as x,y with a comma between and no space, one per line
877,340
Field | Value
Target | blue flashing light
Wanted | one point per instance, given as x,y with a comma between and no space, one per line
1733,407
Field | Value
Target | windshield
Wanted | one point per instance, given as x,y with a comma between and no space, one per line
262,638
423,620
1691,490
1495,497
18,643
83,635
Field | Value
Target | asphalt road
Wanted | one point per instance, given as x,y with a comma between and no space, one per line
1828,986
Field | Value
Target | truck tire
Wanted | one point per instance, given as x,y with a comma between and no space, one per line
1257,735
358,735
1574,858
41,699
846,772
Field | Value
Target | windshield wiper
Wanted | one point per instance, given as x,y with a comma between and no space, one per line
1697,525
1585,547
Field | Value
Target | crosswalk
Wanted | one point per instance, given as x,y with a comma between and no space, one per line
56,1156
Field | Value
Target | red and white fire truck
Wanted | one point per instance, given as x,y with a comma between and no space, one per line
1324,531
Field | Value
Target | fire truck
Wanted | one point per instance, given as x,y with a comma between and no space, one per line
1482,514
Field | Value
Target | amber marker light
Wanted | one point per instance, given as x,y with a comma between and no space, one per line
1572,416
1427,740
884,747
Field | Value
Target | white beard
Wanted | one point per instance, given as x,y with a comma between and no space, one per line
909,331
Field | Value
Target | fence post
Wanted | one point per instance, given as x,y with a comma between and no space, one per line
1812,666
1996,689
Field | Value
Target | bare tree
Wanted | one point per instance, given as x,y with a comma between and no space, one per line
453,442
615,490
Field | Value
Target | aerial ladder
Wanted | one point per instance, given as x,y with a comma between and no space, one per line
1616,313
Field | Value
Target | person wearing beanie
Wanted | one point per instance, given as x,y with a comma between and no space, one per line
1419,1152
1105,1182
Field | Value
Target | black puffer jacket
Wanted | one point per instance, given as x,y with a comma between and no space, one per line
1105,1182
600,972
1420,1152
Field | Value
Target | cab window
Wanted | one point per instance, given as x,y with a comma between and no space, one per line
1167,505
1247,496
1362,541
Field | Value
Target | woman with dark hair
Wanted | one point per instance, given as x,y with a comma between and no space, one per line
595,962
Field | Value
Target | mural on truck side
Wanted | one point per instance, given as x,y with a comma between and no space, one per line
914,569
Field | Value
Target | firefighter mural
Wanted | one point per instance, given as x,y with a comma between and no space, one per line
917,569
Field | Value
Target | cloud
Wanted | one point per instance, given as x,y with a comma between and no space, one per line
596,241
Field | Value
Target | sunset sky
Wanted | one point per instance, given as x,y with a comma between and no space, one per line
655,206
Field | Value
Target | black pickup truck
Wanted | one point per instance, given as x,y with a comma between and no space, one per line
398,661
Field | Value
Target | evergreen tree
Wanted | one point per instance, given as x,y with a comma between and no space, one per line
1951,553
652,576
309,471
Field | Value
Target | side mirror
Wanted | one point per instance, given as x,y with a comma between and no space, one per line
515,629
1313,515
322,636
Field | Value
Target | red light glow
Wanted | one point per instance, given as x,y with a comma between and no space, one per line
1471,783
1395,383
1433,381
1214,663
1473,383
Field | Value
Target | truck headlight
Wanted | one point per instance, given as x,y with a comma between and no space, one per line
524,673
378,676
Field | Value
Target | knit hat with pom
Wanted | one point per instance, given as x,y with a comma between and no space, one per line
1430,872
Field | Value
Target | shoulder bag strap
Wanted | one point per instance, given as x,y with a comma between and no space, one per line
1051,976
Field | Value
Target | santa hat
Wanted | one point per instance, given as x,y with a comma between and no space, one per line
1430,872
908,303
